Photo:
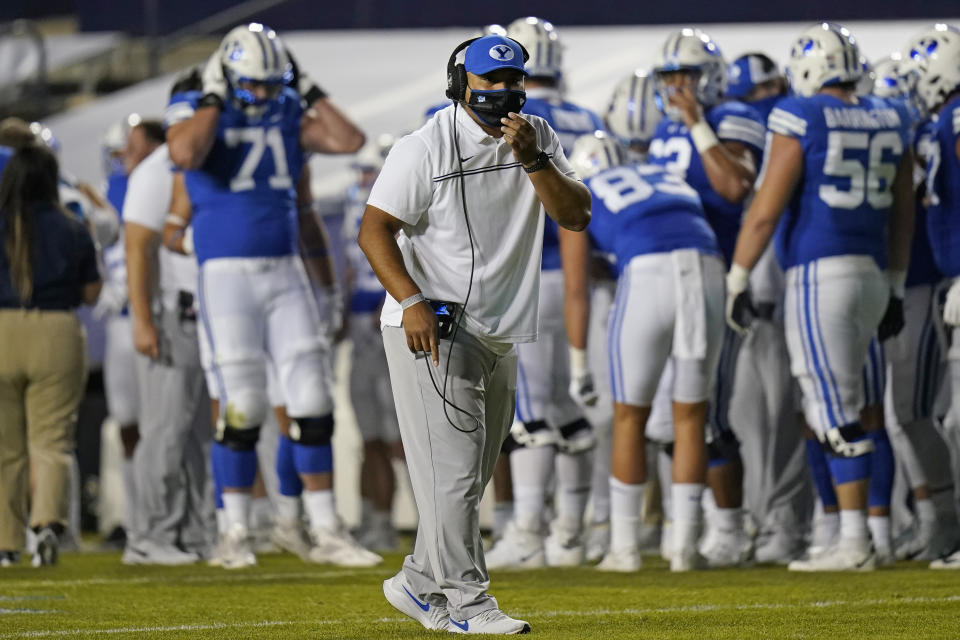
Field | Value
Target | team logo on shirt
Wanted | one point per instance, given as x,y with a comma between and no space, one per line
501,53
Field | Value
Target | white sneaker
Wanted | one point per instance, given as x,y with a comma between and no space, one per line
728,548
824,537
48,548
840,557
623,561
918,543
776,547
235,551
598,541
517,549
337,547
432,616
491,621
687,560
148,552
951,561
563,547
290,536
9,558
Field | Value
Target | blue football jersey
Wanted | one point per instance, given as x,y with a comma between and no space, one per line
673,148
943,188
5,154
641,209
117,191
569,122
850,158
367,293
923,268
244,196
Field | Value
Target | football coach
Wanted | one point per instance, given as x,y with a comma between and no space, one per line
453,229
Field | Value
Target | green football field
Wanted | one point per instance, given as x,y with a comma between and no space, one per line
94,596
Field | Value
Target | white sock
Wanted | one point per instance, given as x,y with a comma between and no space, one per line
687,514
880,532
573,488
237,509
320,509
221,520
926,510
626,501
129,498
261,513
288,509
502,514
531,470
729,520
853,526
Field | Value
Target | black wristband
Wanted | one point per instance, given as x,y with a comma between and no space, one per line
542,161
211,100
313,94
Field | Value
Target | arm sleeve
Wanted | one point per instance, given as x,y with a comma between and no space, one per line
745,128
180,107
404,187
148,195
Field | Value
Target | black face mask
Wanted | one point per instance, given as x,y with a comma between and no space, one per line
494,104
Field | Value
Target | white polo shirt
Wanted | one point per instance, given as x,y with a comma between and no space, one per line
420,185
147,203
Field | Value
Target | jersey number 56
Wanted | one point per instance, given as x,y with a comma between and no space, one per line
871,180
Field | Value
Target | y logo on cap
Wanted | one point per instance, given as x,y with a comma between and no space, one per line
501,52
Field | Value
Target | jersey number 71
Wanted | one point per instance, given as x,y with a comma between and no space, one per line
259,139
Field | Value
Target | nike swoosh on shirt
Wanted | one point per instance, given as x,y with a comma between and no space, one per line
467,158
463,626
423,605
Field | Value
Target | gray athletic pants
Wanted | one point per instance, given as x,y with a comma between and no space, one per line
449,469
173,484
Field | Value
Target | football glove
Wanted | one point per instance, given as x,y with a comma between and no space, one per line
892,322
740,311
582,389
215,87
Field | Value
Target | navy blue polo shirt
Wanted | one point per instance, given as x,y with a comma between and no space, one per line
63,258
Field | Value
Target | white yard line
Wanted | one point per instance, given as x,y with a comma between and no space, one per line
222,577
532,614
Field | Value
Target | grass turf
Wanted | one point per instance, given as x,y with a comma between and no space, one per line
94,596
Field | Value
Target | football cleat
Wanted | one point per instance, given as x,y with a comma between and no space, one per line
623,561
564,548
728,548
517,549
148,552
291,537
431,615
951,561
492,622
337,547
9,558
235,551
841,557
598,541
776,547
48,548
688,559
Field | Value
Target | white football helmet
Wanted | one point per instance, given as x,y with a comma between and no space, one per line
372,155
542,42
596,152
634,110
691,49
822,55
254,53
931,67
488,29
887,81
115,141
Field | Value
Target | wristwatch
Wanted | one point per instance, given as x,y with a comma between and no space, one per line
542,161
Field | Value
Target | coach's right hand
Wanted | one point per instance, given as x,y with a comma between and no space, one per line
420,325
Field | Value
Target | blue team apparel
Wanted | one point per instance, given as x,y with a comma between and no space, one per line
943,189
672,147
923,268
851,153
367,293
244,196
492,52
117,191
5,154
569,122
641,209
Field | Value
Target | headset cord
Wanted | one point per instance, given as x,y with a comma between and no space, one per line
463,310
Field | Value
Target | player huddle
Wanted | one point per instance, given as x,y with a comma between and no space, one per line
764,297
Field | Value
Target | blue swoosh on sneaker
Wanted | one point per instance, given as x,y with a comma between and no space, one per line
423,605
463,626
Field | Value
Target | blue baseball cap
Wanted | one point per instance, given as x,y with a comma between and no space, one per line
493,52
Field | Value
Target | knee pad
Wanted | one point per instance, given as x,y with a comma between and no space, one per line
723,450
576,437
848,441
509,445
533,434
246,408
237,439
312,431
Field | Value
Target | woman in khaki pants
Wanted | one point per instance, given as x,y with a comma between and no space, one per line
48,267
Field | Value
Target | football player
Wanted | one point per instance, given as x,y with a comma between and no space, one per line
934,71
550,432
843,164
715,146
241,143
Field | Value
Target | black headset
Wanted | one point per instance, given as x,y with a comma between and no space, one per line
457,73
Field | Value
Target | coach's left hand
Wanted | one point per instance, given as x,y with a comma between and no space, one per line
521,137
